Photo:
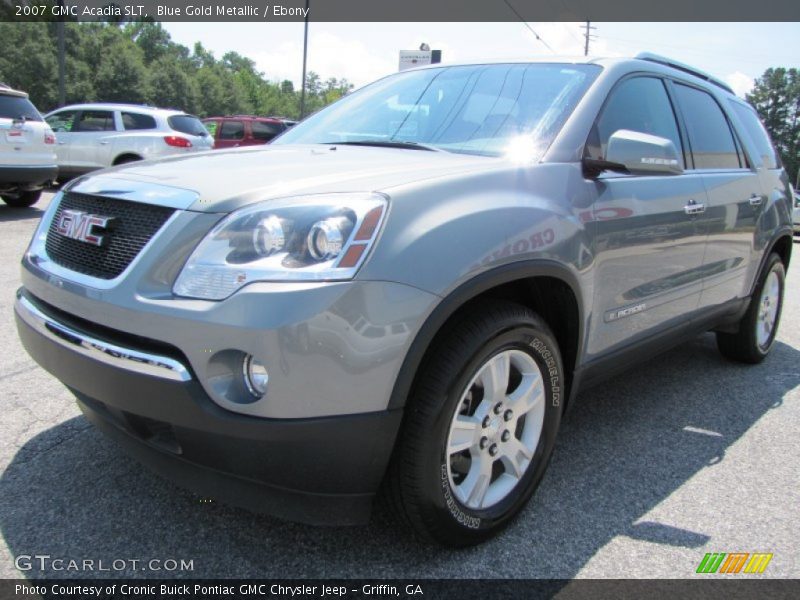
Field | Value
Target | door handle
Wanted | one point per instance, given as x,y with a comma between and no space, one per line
62,143
104,143
693,208
756,200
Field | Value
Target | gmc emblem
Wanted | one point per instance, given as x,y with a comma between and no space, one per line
78,225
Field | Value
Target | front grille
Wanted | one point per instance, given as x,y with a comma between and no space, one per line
133,226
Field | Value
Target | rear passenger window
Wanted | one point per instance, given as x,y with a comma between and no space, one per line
95,120
265,131
231,130
132,121
639,104
710,136
757,134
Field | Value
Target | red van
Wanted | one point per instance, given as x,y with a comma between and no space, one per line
243,130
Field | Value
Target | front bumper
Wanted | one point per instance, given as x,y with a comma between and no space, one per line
28,176
316,470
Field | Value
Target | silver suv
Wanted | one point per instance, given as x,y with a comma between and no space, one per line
94,136
410,287
27,159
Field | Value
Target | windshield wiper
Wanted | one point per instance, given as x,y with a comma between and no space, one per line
387,144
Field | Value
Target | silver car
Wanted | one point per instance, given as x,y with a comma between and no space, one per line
95,136
409,288
27,157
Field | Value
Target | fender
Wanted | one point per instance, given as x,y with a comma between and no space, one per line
466,292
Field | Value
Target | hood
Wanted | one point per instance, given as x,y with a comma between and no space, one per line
226,180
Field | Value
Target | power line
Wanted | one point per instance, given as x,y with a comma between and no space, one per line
524,22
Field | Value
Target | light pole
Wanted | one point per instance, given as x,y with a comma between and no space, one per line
62,94
305,56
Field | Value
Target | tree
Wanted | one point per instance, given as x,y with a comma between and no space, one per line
776,97
137,62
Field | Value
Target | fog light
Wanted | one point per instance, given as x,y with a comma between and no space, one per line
256,377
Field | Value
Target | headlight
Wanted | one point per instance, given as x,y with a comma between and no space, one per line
309,238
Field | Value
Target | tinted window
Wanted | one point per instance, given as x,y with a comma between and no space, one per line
95,120
131,121
265,131
710,137
187,124
231,130
62,120
640,104
490,110
758,135
15,107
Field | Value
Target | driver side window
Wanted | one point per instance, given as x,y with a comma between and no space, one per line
638,104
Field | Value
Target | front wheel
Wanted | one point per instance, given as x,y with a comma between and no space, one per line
22,199
757,329
481,425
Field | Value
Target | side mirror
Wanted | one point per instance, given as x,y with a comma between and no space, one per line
635,152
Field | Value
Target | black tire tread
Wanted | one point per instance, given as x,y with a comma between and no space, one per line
453,348
742,345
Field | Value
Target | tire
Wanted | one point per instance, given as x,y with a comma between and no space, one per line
439,492
126,159
754,340
22,199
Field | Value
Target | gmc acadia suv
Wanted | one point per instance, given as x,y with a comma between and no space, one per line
409,288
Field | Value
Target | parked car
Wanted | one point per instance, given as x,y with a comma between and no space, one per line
796,214
505,234
243,130
27,158
95,136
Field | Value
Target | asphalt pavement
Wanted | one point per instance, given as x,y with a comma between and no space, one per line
683,455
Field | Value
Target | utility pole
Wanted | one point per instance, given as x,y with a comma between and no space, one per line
62,94
305,56
588,35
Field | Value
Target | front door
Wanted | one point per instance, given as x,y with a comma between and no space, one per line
647,245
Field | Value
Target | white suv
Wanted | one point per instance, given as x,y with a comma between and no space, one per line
27,157
95,136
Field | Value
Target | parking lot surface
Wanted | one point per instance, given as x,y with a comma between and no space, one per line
684,455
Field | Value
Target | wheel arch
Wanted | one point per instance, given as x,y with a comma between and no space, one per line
525,282
780,244
126,155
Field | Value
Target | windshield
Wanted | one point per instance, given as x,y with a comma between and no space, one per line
187,124
478,109
17,107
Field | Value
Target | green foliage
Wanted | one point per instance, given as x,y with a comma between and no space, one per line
138,62
776,97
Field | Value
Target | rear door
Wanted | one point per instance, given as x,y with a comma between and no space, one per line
231,134
735,194
92,136
648,250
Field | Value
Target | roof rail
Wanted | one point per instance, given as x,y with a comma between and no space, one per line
663,60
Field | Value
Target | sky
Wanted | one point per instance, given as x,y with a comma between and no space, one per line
362,52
